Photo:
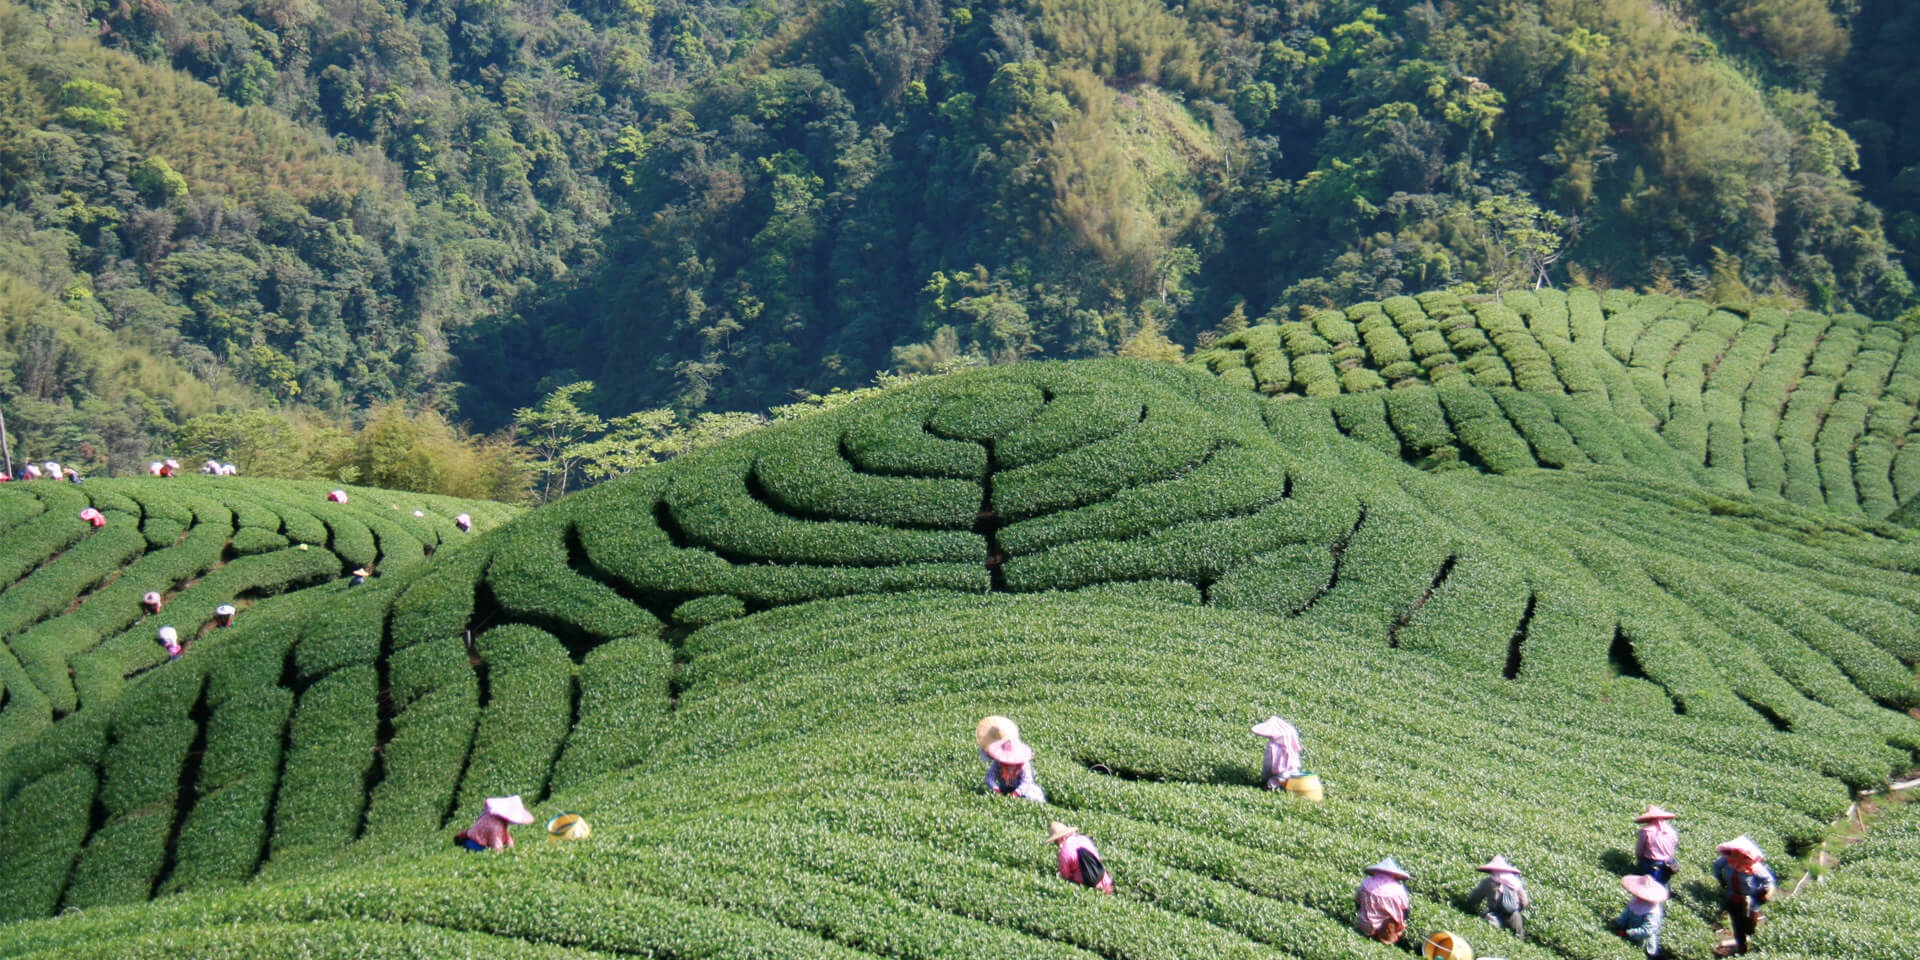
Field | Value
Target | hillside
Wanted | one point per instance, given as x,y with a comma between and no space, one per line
712,204
756,670
1806,407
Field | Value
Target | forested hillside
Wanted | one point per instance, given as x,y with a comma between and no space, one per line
327,204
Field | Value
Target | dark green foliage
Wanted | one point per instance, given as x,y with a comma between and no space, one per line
330,745
525,718
534,579
623,710
44,826
438,604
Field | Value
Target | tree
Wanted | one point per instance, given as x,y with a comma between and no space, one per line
1523,240
1148,343
553,431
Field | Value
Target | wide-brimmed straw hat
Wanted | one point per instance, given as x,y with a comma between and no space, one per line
362,572
166,633
1644,887
1498,864
994,728
1273,727
1391,867
1742,846
509,809
1009,750
1058,831
223,610
1653,813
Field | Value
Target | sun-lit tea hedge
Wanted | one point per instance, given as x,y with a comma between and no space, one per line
773,653
1809,407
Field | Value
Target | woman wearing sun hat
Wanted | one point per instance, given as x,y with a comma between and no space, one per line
489,832
1079,858
1011,773
1504,895
1381,903
1282,761
1640,921
1746,882
1657,843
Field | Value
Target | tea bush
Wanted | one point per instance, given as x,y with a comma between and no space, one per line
736,659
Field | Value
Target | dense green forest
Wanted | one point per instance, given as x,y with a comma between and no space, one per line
326,207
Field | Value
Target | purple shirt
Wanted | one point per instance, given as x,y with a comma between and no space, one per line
1381,898
1658,841
1283,756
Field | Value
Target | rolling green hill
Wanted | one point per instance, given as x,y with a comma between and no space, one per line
756,669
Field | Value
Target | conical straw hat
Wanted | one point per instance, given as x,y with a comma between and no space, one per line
993,728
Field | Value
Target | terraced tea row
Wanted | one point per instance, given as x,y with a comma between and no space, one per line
827,745
71,615
1811,408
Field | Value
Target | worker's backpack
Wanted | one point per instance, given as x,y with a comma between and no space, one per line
1092,871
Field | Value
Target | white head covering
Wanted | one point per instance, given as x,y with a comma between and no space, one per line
167,635
225,610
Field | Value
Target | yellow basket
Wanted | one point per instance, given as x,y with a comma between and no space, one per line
1444,945
1307,786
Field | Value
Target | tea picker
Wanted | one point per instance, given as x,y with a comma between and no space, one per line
169,640
1503,894
1280,765
1640,922
1381,903
1079,859
489,831
1011,771
1656,844
1746,882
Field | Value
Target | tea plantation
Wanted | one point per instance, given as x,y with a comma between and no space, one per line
756,671
1806,407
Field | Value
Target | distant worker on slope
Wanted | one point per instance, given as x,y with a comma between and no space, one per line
1504,895
1746,882
1382,902
169,640
1641,920
1282,761
1011,772
223,615
489,832
464,522
94,517
151,602
1079,858
1656,845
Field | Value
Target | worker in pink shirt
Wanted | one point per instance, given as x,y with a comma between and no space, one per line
1079,858
1382,902
489,832
1282,761
1657,844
